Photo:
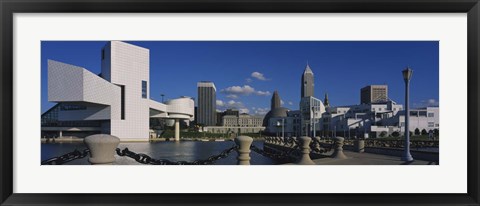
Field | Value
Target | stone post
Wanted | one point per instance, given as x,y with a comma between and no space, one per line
305,148
102,148
359,145
338,153
317,143
244,143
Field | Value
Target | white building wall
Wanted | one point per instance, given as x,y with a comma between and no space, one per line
308,115
422,122
183,108
65,82
78,86
129,66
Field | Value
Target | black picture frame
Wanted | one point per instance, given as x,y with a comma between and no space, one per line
10,7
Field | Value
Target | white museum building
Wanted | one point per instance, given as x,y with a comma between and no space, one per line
118,97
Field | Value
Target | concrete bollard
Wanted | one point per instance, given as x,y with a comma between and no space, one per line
102,148
317,143
244,143
338,153
305,148
359,145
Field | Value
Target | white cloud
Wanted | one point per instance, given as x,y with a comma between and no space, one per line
263,93
220,103
243,90
244,110
239,90
426,103
282,102
432,102
260,111
232,96
290,103
248,80
231,104
259,76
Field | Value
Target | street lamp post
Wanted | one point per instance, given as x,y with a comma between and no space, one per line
314,121
335,131
407,75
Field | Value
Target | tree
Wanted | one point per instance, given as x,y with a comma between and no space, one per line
424,132
383,134
417,131
395,134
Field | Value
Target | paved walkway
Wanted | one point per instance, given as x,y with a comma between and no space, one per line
355,158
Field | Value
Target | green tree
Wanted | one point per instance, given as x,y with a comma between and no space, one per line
383,134
417,131
395,134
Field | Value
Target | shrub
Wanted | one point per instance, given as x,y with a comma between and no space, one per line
395,134
417,131
383,134
424,132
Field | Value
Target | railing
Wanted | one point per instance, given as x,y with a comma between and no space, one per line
103,148
385,143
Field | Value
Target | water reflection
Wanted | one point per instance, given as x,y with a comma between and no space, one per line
173,151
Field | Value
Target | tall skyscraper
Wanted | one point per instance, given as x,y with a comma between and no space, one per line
207,108
307,83
374,94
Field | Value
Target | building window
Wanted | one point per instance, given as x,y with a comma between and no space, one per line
431,115
144,89
122,102
431,124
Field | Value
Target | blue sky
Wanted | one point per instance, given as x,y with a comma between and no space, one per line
247,72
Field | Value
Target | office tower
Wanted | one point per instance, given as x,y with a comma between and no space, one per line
307,83
207,114
374,94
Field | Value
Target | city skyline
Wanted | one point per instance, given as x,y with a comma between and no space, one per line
247,73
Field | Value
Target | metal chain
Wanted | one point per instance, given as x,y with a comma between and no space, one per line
145,159
324,147
285,156
66,157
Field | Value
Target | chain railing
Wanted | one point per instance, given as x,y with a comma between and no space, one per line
60,160
315,145
145,159
321,147
395,143
284,156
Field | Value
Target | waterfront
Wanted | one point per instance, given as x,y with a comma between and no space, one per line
174,151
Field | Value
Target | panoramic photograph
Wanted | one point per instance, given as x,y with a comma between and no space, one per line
240,103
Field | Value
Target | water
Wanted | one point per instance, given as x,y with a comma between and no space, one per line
173,151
